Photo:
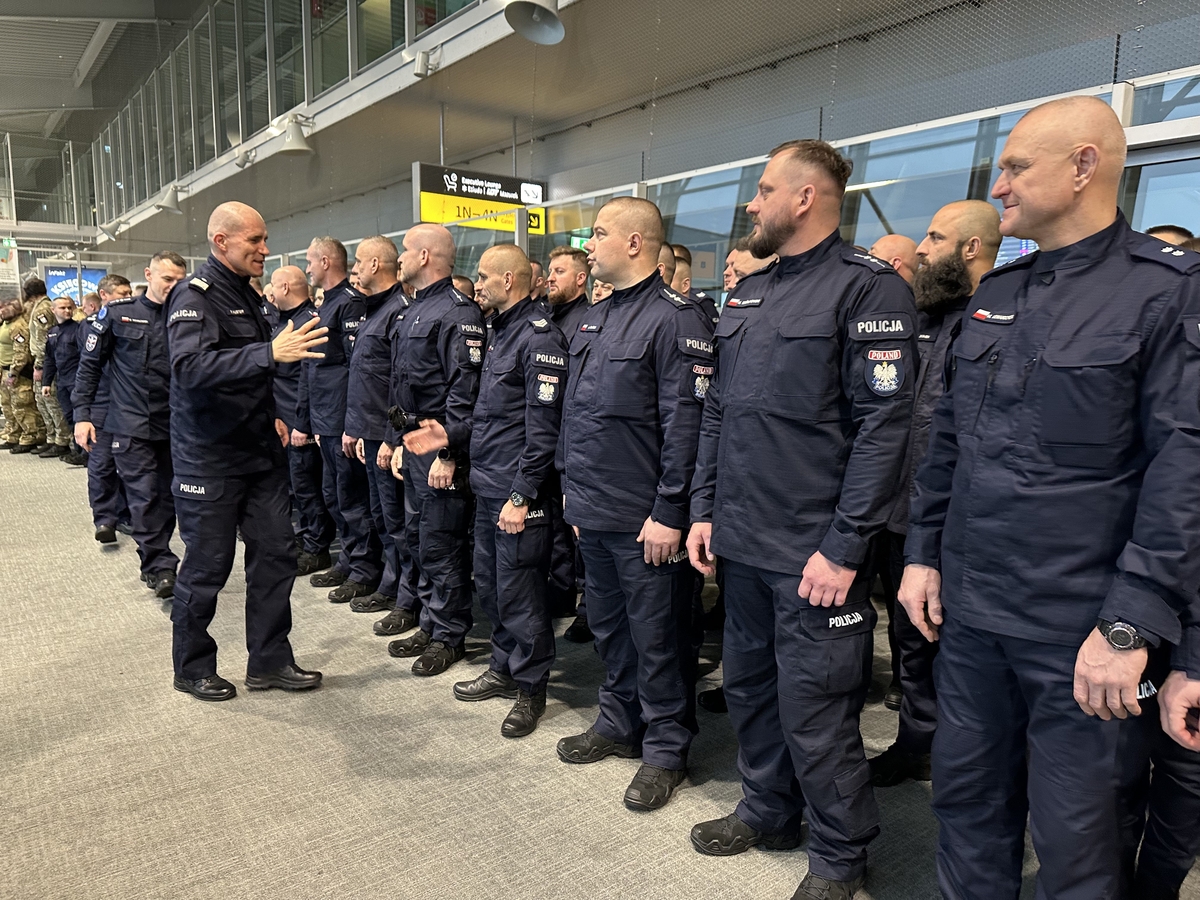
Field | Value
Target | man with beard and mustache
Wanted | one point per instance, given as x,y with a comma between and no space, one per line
805,426
959,247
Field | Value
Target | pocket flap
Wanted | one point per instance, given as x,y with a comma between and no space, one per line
1191,330
1105,351
628,349
828,623
973,344
197,487
422,329
728,324
848,783
808,326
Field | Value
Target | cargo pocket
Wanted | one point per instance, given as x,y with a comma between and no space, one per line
845,633
188,487
861,816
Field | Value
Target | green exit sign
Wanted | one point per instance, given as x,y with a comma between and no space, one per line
8,242
578,242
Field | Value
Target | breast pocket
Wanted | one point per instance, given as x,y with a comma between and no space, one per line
804,366
496,388
240,331
974,361
628,383
1089,401
137,346
424,364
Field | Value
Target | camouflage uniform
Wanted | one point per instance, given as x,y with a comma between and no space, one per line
20,410
41,320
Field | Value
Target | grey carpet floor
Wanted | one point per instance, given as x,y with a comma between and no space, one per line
112,785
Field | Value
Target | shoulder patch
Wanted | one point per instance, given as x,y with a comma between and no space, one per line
471,328
881,326
695,346
740,303
192,315
1168,255
546,358
539,325
199,283
42,318
103,312
994,318
884,371
674,297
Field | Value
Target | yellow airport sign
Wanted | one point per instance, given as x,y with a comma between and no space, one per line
443,208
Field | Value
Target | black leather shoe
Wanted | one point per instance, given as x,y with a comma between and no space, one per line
23,448
372,603
489,684
48,451
106,534
413,645
290,678
74,459
307,563
397,621
590,747
895,766
329,579
437,658
814,887
348,590
578,632
652,787
7,445
212,687
730,836
893,697
713,701
162,583
522,719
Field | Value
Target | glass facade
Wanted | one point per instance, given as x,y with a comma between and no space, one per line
257,91
1166,102
330,45
1163,194
287,25
434,12
225,63
380,28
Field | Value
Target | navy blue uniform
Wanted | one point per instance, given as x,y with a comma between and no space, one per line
316,527
1051,495
131,346
366,418
229,470
437,352
514,436
640,365
106,493
707,304
805,427
322,411
62,363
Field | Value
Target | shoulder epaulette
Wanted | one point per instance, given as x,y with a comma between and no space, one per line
858,257
459,297
118,301
199,283
1166,254
677,300
1020,262
539,324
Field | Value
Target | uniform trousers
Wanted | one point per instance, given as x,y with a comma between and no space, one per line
511,572
211,510
1012,743
436,526
145,470
565,576
316,526
348,498
796,679
641,617
106,493
387,512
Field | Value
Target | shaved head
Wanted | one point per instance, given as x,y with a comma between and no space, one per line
232,218
627,237
1060,171
666,263
290,287
898,251
505,278
958,249
428,255
237,237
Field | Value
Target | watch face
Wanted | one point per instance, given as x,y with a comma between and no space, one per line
1119,636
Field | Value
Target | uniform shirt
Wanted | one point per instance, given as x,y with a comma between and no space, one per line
640,365
1060,480
566,316
222,368
127,339
805,427
437,352
41,320
370,367
514,430
100,401
936,331
322,396
287,375
62,354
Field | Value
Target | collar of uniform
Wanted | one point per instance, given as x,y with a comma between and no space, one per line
342,285
295,312
215,270
501,320
635,291
1091,249
557,311
375,301
436,288
790,265
144,300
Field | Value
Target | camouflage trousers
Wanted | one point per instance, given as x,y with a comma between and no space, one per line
52,416
21,420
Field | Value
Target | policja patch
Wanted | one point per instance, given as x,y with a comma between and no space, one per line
884,371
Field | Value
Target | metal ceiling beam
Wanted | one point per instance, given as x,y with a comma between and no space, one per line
85,10
87,61
54,120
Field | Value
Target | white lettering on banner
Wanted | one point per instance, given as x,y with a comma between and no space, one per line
884,326
842,621
695,344
197,489
876,355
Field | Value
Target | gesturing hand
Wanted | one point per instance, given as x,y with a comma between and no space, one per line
294,344
429,437
1106,680
825,583
920,594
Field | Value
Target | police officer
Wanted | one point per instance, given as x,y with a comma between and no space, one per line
681,283
289,302
437,352
806,427
959,246
129,340
227,447
566,302
41,320
322,414
640,364
376,264
513,439
1051,536
62,356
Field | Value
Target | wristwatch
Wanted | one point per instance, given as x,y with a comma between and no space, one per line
1120,635
518,500
444,454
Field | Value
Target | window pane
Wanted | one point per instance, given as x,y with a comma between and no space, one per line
1163,194
330,44
380,28
183,109
85,190
203,92
254,43
167,121
229,127
430,12
1166,102
100,153
289,54
121,166
150,101
138,138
